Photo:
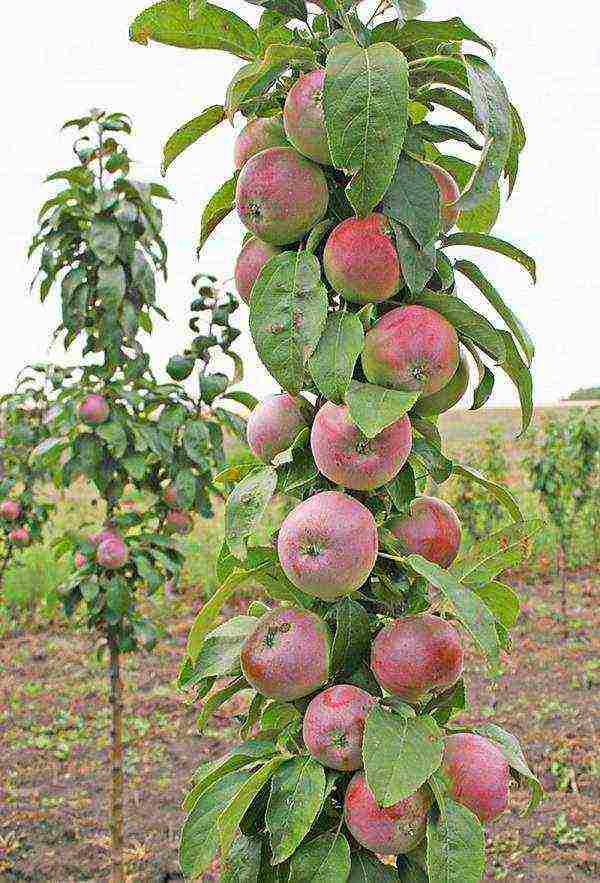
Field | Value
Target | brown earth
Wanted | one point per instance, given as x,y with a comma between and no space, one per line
54,770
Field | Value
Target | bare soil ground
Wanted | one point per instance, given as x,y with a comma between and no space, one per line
54,769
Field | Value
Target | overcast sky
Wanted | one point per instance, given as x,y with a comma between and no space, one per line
62,57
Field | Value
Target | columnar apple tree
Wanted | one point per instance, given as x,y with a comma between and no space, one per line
111,422
355,203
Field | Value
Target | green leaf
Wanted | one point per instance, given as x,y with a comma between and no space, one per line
399,753
494,115
288,312
115,436
211,28
199,843
248,754
418,264
217,699
246,507
501,493
492,243
229,820
467,321
191,132
219,655
196,441
474,274
318,232
104,238
374,408
413,198
326,859
517,144
454,30
438,465
476,617
243,398
366,116
352,638
513,753
254,79
243,861
185,485
501,600
455,846
332,363
217,208
209,613
516,535
366,868
297,793
111,285
520,375
143,277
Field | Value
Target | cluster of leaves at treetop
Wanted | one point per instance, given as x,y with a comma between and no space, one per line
384,77
101,246
430,74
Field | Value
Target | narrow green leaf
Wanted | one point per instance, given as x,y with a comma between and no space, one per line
297,793
399,753
326,859
492,243
103,238
332,363
520,375
468,322
501,600
219,655
191,132
209,613
516,535
211,27
218,207
501,493
217,699
243,861
494,114
454,30
111,285
352,638
474,274
413,198
246,507
249,754
288,312
366,868
230,818
374,408
455,846
468,608
417,263
366,116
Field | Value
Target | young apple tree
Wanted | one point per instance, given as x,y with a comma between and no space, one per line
110,421
355,204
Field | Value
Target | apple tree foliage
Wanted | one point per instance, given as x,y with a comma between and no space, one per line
400,91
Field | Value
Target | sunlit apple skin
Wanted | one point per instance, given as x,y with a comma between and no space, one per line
417,655
274,425
94,410
449,193
10,510
389,830
287,656
334,725
112,553
431,529
304,117
361,261
257,135
281,195
478,774
411,348
347,457
328,545
252,258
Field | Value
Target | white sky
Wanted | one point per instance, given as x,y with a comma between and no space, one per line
59,58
